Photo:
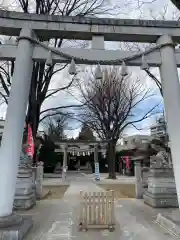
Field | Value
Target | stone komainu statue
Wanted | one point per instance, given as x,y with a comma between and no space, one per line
24,158
162,159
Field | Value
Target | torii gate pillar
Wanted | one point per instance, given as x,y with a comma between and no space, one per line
65,159
171,94
14,124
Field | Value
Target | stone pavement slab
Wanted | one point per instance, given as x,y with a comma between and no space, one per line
138,221
119,179
75,188
54,182
52,219
58,219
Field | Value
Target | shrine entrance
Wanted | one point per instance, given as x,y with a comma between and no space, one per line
29,28
73,150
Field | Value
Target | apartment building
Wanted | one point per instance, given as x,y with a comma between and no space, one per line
159,128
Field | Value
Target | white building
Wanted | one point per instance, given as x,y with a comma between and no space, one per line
159,129
130,142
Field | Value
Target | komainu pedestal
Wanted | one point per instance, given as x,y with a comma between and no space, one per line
25,196
161,192
15,227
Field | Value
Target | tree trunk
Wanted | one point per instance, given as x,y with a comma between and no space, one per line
112,159
32,106
33,118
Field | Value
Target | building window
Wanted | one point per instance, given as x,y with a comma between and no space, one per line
125,142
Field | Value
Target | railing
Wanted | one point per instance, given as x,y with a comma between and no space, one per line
97,210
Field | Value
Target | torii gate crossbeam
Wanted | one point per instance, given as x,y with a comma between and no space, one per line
67,27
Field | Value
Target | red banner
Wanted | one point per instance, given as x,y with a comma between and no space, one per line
127,161
30,142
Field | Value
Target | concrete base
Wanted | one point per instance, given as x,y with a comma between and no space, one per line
160,201
170,221
15,227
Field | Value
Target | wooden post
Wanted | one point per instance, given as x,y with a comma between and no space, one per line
86,206
94,208
81,209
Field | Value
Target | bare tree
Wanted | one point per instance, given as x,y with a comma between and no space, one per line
41,74
55,125
113,104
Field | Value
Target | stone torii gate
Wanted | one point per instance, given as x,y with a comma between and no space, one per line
29,27
90,145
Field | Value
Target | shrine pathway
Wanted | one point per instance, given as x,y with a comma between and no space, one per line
57,219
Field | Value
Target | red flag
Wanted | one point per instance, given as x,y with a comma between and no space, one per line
30,142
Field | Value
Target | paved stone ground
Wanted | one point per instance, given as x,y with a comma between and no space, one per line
119,179
57,219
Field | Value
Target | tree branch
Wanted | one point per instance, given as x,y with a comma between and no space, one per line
62,107
158,83
61,89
